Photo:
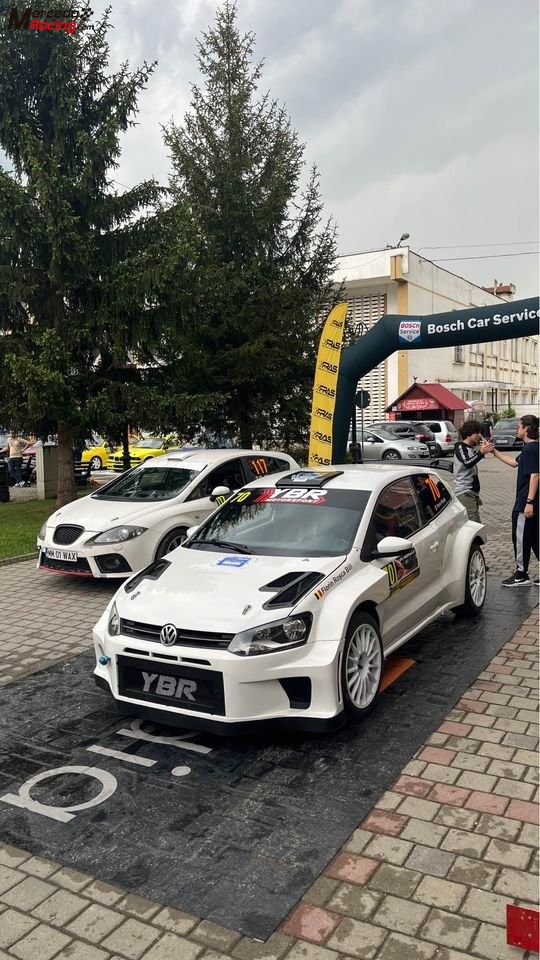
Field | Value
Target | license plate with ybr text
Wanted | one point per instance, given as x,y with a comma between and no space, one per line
69,555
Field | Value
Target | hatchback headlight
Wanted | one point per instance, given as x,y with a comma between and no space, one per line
269,637
113,626
42,532
117,535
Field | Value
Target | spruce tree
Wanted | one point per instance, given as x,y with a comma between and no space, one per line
74,278
262,261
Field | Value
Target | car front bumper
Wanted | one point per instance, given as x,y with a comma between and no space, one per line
111,561
297,688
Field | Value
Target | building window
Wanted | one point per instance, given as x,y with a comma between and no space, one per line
459,355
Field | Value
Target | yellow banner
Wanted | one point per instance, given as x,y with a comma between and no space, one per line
325,386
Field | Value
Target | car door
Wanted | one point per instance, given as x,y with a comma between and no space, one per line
439,524
227,474
372,445
412,577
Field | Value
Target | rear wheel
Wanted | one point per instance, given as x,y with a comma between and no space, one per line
170,541
438,450
361,665
391,455
475,584
95,463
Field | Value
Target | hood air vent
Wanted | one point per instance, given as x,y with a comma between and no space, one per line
290,588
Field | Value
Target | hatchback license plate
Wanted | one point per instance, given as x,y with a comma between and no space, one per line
173,685
69,555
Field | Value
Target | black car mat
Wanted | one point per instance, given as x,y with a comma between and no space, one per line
235,835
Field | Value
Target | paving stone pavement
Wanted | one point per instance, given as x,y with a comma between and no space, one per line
427,874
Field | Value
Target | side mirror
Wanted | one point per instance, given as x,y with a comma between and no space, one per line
192,530
391,547
221,491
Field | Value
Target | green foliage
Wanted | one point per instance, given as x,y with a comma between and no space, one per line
261,261
509,412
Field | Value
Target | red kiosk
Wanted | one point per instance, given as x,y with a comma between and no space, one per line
428,401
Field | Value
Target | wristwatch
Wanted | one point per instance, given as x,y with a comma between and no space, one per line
530,501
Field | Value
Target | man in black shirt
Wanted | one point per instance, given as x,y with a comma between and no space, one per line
525,512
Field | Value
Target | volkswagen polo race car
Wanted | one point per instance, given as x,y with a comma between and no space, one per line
282,606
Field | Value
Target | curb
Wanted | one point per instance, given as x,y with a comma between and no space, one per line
9,560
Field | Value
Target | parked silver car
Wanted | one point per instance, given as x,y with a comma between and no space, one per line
445,433
381,445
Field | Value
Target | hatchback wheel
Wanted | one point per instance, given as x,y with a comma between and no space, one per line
391,455
361,665
172,540
96,463
475,584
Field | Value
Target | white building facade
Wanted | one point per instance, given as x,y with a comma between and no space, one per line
399,281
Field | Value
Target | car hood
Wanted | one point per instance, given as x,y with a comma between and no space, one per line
98,515
244,591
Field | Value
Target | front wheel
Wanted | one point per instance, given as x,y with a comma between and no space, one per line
361,665
95,463
391,455
172,540
475,584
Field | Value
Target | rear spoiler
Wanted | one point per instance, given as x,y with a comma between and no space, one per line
437,464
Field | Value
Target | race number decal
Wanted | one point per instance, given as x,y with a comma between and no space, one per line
402,571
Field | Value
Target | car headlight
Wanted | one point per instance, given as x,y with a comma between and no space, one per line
269,637
113,626
42,532
117,535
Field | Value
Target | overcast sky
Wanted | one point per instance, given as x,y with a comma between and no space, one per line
421,115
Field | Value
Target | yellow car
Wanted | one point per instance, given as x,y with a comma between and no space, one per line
141,451
97,452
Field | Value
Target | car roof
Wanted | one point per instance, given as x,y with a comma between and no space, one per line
358,476
208,457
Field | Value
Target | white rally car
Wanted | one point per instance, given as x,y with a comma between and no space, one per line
281,607
143,514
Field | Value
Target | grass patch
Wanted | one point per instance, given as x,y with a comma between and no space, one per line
20,524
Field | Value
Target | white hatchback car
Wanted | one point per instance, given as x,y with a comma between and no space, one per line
143,514
281,607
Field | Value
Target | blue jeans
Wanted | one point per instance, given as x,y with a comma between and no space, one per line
15,468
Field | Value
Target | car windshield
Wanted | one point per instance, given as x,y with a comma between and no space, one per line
148,483
505,426
151,444
283,522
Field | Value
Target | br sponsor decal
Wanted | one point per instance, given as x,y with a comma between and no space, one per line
402,571
409,330
337,578
276,495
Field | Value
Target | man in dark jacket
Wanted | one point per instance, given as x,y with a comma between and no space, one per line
525,511
466,460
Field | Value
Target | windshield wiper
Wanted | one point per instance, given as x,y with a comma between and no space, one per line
228,544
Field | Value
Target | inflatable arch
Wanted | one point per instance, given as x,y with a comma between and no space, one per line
499,321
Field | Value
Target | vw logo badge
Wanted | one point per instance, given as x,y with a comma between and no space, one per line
168,634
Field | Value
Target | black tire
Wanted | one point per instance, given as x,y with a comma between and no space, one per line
95,463
439,452
170,541
475,584
363,643
391,455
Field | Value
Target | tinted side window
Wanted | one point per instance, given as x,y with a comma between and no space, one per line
226,475
256,466
432,495
395,515
434,427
